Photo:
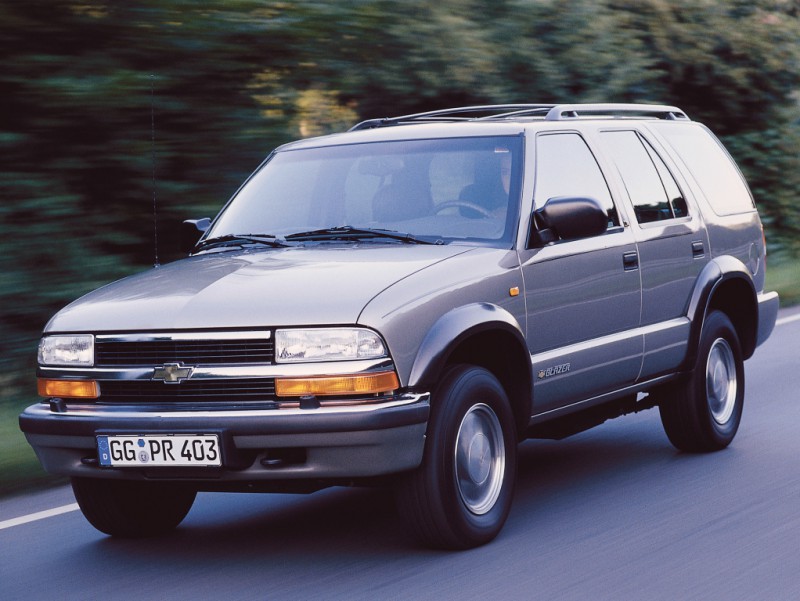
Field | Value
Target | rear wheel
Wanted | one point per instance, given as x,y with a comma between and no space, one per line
132,509
461,495
703,413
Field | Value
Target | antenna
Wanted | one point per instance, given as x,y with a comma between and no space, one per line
153,163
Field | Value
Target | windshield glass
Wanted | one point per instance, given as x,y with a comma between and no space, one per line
449,190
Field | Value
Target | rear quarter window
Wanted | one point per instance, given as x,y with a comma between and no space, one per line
711,166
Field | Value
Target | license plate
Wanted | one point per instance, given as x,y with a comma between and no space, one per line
156,451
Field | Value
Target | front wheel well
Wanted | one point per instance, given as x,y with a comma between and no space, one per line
498,352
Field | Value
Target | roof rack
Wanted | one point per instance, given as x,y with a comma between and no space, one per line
548,112
473,113
575,111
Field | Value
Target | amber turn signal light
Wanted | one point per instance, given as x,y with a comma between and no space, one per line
68,389
337,385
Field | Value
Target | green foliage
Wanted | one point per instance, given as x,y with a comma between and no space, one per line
19,468
783,274
771,163
731,64
230,80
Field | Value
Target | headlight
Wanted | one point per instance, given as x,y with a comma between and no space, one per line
77,350
327,344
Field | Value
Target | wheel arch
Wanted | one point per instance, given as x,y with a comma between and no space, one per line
725,284
484,335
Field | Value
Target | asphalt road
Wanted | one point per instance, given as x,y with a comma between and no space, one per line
614,513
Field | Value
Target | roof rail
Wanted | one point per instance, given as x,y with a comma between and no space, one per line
474,113
549,112
575,111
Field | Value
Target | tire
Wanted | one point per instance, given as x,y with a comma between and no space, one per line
456,499
132,509
703,413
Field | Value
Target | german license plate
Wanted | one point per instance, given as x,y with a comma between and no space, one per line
155,451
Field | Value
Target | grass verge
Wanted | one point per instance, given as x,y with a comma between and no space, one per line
783,275
19,469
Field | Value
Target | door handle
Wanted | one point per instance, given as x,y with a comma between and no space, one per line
698,250
630,261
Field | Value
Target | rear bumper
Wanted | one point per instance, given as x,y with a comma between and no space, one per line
327,443
768,304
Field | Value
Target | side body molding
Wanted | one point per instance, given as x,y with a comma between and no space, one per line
725,283
479,322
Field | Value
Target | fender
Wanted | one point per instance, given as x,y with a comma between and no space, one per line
457,326
714,274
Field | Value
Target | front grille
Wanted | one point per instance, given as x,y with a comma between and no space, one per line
191,352
189,391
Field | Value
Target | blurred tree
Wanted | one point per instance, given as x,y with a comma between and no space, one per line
231,80
573,51
75,131
770,160
734,65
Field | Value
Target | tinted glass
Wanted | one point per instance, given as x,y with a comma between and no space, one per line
674,194
712,168
640,176
566,167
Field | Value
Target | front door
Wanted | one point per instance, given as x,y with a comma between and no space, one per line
583,296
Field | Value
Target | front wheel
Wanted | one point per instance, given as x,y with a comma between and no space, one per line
703,413
132,509
461,494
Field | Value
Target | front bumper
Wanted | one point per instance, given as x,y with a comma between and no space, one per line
354,441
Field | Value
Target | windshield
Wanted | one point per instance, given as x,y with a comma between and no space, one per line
446,190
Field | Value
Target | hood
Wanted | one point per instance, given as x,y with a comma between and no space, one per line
250,289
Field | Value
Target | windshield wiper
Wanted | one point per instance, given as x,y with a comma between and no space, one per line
348,232
239,240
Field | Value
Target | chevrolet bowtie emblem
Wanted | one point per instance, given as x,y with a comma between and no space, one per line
172,373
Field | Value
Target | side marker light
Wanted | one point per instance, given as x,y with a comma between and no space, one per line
68,389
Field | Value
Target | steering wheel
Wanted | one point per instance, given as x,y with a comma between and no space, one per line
462,203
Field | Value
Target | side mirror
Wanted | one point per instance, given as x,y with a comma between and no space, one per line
568,218
191,230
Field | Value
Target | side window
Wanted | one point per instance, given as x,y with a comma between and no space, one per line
712,168
566,167
674,194
652,189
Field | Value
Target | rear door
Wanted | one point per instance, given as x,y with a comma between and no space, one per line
673,248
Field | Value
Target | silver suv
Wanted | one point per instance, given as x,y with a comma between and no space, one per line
404,303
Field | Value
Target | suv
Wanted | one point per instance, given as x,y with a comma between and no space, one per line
403,304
